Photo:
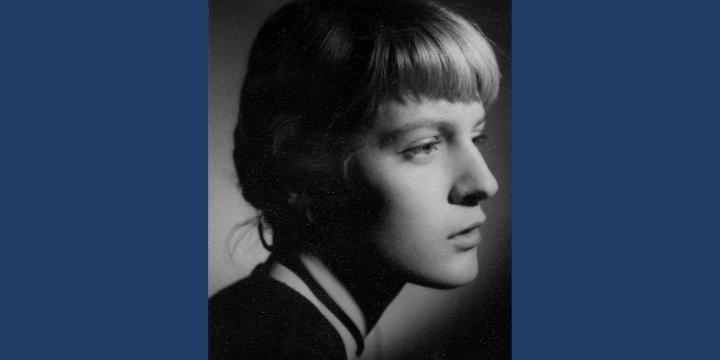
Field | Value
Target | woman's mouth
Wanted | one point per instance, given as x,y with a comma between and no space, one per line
467,230
467,238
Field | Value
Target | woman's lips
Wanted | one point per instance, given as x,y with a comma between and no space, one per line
467,238
467,230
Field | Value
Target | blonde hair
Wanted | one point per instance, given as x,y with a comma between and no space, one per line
317,73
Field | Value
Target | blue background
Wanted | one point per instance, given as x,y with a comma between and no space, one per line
103,141
615,186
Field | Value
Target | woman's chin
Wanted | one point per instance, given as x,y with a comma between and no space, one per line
456,274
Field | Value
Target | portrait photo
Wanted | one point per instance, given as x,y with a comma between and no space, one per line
359,179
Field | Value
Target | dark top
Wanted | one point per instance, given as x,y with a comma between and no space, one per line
262,318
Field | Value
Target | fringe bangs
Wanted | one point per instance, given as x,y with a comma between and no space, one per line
445,58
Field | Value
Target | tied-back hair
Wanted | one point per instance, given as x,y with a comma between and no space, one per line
317,73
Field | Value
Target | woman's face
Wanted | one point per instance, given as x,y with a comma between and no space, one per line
422,158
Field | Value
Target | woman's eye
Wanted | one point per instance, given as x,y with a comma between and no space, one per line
480,139
422,150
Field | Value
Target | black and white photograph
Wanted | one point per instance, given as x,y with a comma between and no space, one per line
359,179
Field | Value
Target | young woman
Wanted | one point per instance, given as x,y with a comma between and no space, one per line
358,143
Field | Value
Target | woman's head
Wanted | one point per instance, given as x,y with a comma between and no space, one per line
321,75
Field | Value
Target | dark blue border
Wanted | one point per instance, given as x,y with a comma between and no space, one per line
615,185
104,143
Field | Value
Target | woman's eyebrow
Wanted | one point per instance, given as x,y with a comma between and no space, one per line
481,121
390,136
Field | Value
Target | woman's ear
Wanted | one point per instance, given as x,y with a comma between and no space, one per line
301,204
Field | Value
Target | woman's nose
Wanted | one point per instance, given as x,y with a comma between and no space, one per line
474,182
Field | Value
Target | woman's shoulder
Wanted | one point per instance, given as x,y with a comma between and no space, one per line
262,318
